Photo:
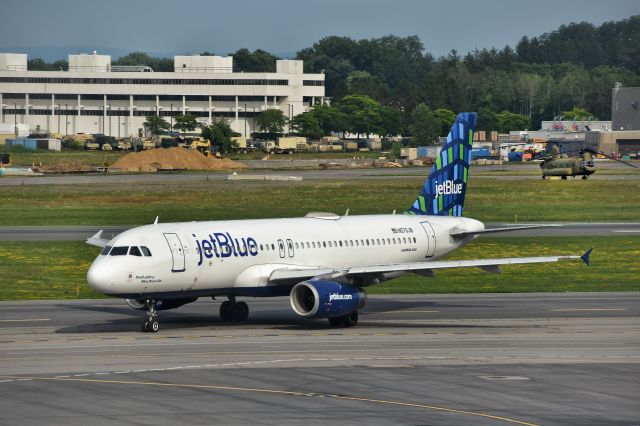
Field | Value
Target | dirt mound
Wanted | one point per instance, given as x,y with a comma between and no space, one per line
172,159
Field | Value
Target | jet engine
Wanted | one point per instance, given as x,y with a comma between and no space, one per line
161,305
326,299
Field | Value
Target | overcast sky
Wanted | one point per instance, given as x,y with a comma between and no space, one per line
282,26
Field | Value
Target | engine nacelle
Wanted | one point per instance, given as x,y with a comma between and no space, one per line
326,299
161,305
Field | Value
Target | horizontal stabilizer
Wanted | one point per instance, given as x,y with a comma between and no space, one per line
495,230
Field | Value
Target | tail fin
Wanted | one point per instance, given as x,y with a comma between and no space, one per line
443,191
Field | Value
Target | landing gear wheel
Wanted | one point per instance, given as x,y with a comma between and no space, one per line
145,326
564,178
335,321
584,177
351,319
154,326
226,309
543,177
240,311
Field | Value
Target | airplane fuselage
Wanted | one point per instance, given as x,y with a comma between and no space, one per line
238,256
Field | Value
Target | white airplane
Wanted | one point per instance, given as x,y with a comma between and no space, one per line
322,261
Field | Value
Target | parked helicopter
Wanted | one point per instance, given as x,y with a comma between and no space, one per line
556,164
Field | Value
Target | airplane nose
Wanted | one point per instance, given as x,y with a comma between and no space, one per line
99,277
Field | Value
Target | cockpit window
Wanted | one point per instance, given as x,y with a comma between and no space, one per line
134,251
119,251
145,251
105,250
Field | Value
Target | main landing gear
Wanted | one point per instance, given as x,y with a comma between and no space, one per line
151,324
230,310
348,320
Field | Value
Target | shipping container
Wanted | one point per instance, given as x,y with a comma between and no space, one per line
31,143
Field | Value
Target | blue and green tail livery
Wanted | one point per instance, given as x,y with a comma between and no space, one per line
443,191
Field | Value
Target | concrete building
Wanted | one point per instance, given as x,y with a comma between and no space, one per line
625,108
95,97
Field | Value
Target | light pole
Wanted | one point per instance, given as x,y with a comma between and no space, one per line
109,109
290,114
171,117
66,119
119,113
15,118
59,117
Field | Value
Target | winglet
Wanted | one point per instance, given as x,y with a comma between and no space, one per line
585,257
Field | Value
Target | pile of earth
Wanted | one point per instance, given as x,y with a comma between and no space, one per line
172,159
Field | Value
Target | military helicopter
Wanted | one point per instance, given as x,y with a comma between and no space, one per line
556,164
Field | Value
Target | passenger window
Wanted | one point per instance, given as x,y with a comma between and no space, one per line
340,243
145,251
119,251
414,240
351,243
296,246
134,251
378,241
357,243
324,244
273,246
394,241
314,244
105,250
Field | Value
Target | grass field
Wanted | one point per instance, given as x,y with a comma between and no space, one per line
489,200
57,270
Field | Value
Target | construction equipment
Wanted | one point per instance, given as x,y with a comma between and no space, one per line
202,145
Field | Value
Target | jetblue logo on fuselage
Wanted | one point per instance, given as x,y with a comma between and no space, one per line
222,244
447,188
337,296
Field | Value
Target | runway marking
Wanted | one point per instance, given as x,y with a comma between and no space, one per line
290,393
408,312
587,309
26,320
627,230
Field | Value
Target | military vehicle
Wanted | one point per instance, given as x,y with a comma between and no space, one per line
556,164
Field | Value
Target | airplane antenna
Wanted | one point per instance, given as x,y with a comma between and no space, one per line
394,212
155,222
346,213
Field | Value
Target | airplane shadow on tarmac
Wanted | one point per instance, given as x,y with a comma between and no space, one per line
276,319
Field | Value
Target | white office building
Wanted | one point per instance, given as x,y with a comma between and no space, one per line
96,97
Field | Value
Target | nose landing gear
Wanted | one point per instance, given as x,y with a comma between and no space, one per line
151,324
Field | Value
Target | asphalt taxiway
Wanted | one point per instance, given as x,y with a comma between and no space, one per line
490,359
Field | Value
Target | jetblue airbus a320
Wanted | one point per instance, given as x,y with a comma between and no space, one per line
322,261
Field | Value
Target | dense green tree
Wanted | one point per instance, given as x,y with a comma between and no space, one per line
487,120
446,118
425,127
258,61
307,125
271,121
577,114
329,119
142,59
37,64
156,124
363,114
219,133
185,123
508,121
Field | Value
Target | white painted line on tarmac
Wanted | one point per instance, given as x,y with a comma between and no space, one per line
26,320
587,309
627,230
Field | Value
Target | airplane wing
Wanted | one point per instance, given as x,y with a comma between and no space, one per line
491,265
97,240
